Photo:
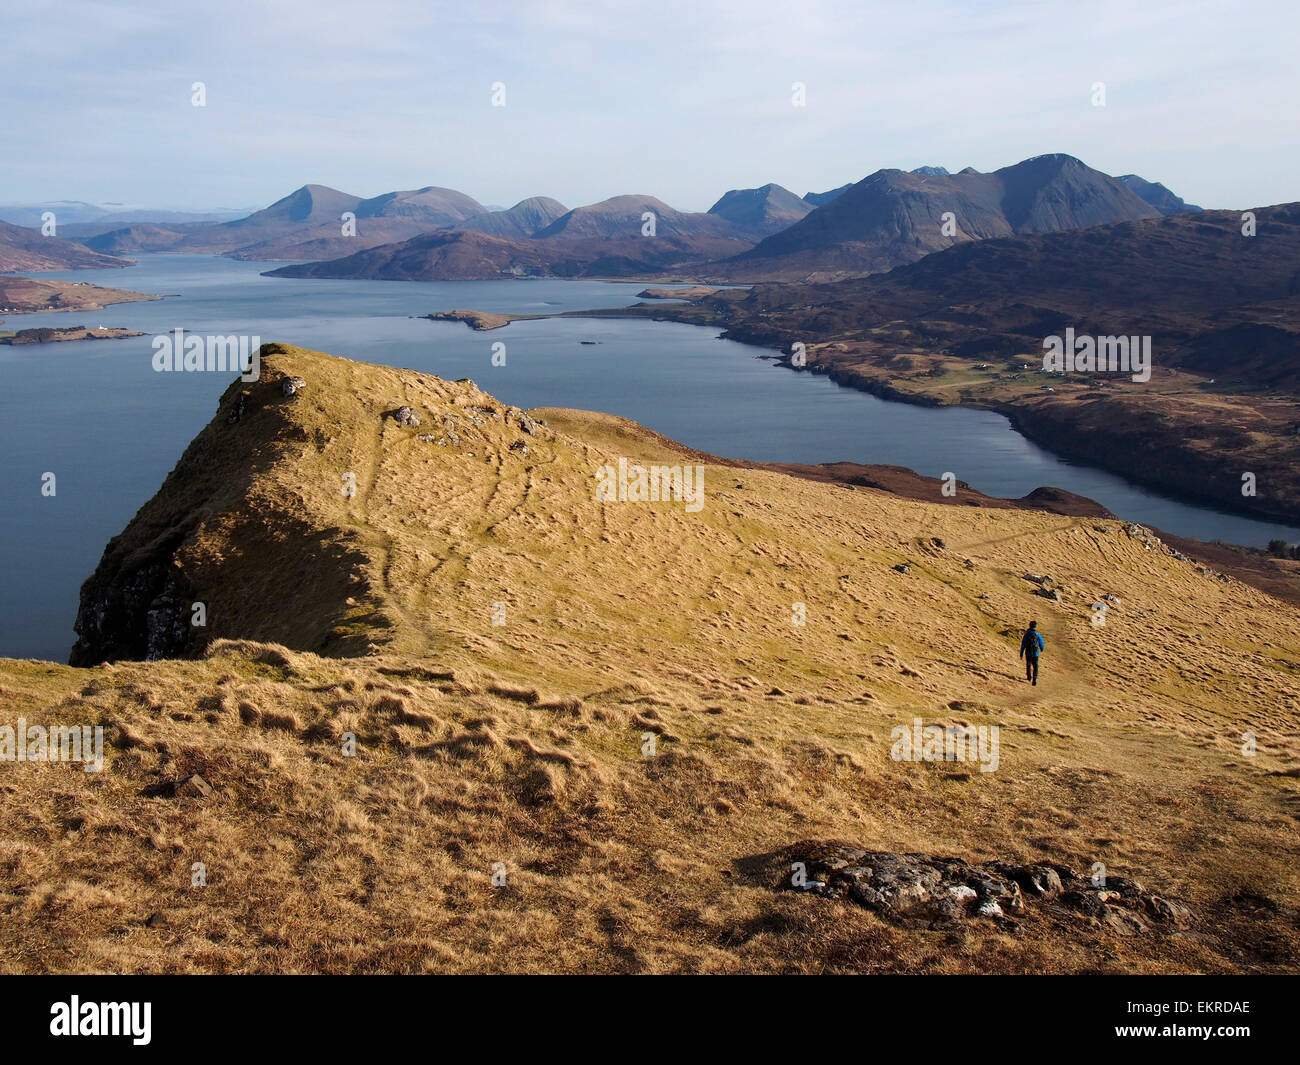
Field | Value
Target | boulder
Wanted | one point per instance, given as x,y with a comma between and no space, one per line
1168,911
192,787
1121,921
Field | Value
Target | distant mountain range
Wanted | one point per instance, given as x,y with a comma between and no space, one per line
308,223
819,199
101,217
606,239
887,219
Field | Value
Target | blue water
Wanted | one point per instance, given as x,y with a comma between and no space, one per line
96,415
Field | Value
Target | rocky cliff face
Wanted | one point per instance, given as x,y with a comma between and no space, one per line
138,608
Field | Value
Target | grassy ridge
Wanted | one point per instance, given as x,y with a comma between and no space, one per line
522,743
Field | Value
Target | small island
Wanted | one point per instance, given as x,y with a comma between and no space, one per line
479,320
484,320
47,335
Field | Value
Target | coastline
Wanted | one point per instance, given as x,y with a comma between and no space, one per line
1126,448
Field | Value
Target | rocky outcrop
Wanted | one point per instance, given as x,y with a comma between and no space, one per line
133,608
934,891
477,320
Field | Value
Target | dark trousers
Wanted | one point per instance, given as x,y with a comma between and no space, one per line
1031,668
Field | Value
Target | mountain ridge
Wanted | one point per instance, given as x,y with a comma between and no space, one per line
894,217
888,218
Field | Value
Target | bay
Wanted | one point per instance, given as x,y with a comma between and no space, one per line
96,415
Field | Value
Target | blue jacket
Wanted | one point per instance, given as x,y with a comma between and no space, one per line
1031,643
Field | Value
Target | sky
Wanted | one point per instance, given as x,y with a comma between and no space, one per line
680,100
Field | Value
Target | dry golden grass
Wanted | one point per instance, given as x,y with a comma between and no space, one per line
522,744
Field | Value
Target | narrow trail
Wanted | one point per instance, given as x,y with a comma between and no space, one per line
966,548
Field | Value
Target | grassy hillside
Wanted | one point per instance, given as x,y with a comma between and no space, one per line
524,743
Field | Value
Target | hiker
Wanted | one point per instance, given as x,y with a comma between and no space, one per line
1031,646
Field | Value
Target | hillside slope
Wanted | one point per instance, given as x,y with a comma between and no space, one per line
1159,197
29,249
527,742
466,255
625,216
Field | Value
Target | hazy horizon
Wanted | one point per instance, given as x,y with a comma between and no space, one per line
678,101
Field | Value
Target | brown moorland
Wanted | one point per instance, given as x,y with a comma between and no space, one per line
525,743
